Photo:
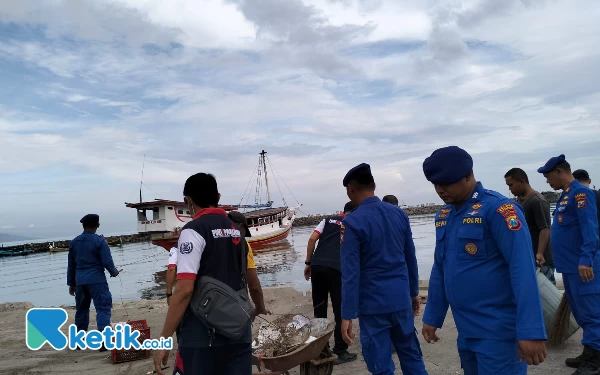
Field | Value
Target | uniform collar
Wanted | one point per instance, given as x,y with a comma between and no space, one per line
210,211
370,200
572,185
476,195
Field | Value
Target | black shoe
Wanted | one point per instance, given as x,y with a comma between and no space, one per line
574,362
590,362
344,357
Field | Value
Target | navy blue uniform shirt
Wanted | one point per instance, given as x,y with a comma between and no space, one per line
379,265
574,233
484,270
89,255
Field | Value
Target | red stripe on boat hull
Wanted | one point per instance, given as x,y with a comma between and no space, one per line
167,244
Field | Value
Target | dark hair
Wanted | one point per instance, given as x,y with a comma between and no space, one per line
517,174
390,199
363,179
202,189
565,166
349,207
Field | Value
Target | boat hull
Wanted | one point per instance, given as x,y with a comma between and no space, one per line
257,243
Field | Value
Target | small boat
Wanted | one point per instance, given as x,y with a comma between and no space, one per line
58,249
12,253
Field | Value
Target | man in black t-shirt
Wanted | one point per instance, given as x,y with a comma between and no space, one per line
323,267
583,177
537,215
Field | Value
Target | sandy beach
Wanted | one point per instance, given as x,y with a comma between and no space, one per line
440,358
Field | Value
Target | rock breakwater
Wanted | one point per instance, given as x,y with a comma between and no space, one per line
41,247
431,209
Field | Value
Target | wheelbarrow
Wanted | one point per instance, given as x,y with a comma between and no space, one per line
314,358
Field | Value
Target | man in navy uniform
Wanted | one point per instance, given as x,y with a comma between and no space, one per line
89,256
323,268
380,280
574,238
583,177
484,269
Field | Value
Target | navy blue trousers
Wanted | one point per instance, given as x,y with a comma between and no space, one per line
584,300
490,357
377,335
100,295
234,359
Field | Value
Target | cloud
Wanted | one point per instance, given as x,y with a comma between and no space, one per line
8,227
31,226
322,85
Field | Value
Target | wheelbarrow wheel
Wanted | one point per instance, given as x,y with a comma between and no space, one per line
326,368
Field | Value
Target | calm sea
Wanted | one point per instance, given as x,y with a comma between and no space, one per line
41,278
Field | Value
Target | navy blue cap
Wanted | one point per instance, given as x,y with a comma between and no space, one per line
351,172
447,165
90,219
552,163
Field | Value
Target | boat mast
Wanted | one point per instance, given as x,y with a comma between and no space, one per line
263,154
142,180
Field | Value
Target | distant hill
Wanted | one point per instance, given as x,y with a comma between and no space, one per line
5,237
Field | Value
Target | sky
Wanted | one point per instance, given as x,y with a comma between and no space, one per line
94,90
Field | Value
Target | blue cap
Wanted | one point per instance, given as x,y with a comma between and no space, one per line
447,165
552,163
90,219
352,172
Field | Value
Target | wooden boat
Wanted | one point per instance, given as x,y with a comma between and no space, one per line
163,219
58,249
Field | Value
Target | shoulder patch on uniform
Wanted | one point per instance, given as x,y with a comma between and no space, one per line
581,200
186,248
342,230
509,213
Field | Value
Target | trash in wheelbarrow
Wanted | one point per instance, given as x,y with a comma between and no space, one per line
286,334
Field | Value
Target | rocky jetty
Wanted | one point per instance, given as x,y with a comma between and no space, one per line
430,209
41,247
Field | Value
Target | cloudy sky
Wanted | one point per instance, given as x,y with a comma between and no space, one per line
90,87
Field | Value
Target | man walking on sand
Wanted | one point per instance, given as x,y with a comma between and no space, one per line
484,270
537,216
324,269
380,278
89,256
583,177
574,239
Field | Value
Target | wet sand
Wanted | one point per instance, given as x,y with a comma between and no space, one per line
440,358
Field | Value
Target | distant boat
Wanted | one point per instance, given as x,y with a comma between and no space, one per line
13,253
58,249
267,224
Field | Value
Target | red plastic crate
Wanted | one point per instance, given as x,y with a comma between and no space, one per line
126,355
